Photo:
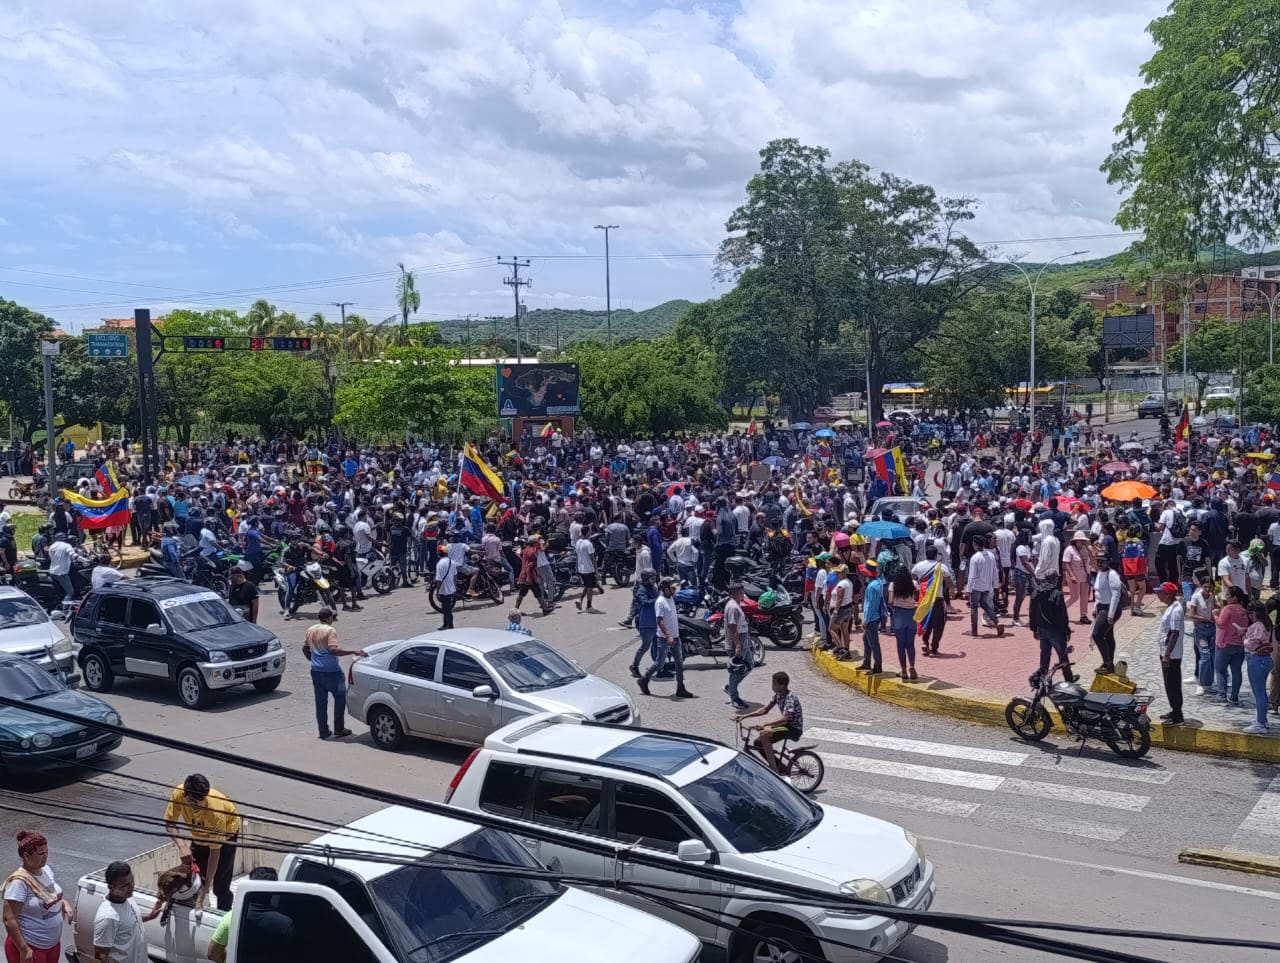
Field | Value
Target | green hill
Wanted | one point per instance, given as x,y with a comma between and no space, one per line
541,324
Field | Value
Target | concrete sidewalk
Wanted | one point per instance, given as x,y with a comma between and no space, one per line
974,678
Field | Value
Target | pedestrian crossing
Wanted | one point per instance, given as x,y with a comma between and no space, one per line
1038,790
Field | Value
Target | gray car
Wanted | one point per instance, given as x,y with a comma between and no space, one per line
460,685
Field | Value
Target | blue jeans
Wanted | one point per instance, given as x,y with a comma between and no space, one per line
736,675
1021,589
1259,667
1205,653
820,624
648,643
904,632
330,684
871,642
64,583
1229,657
688,574
291,580
663,651
1052,642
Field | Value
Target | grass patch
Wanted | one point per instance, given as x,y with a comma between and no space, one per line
26,524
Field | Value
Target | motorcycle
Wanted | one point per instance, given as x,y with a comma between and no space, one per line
484,581
1118,720
39,584
374,572
312,587
208,573
705,636
782,623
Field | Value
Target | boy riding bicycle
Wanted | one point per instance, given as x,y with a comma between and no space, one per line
788,724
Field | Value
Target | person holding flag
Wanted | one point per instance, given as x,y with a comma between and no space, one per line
932,575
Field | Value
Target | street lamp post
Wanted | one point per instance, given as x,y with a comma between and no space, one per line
608,296
1033,284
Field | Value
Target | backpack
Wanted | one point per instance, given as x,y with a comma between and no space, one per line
1179,527
1140,520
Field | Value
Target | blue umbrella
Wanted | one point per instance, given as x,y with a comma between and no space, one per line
884,530
800,426
774,461
824,433
190,481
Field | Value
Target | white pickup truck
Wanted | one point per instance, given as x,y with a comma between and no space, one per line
382,890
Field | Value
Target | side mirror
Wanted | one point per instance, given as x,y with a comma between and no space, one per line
57,615
155,628
693,851
484,692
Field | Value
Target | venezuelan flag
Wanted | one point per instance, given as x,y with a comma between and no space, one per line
548,430
929,592
1273,482
890,466
477,477
106,476
109,512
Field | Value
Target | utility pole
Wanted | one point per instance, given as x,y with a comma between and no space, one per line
342,306
48,351
516,282
467,321
608,296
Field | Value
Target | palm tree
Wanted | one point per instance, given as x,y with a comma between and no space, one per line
392,332
288,325
325,337
407,298
261,319
362,338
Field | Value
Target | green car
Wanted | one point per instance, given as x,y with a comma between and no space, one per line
30,740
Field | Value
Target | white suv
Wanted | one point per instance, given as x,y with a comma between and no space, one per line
692,800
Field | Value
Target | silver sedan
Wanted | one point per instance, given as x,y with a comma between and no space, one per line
460,685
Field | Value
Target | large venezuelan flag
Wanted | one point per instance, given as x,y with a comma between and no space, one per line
477,477
109,512
890,466
929,594
106,476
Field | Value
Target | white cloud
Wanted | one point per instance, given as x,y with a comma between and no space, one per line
374,131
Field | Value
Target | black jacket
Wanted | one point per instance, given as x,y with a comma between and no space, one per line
1048,610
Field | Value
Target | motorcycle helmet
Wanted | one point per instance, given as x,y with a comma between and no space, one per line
768,599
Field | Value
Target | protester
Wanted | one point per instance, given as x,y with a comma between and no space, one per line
34,906
321,647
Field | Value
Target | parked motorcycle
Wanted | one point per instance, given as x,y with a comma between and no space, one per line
705,636
39,584
1118,720
312,587
374,572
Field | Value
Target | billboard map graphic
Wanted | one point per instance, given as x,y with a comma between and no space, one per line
538,390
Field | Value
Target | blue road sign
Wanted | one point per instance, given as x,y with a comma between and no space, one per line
108,345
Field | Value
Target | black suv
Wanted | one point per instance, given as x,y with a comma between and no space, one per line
162,628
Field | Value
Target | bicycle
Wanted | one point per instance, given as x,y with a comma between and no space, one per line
801,765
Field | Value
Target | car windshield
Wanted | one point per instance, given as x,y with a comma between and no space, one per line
751,807
435,913
531,665
17,613
20,679
205,613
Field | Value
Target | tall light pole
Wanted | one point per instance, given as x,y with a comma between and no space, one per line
608,296
1033,283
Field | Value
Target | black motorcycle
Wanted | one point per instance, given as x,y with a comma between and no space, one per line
1118,720
483,582
40,585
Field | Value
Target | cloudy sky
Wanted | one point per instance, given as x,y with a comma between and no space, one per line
214,151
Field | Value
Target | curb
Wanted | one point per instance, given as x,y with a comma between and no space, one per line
942,698
1240,862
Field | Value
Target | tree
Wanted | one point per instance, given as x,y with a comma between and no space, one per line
261,319
419,390
183,380
362,341
646,388
1196,147
1212,348
271,392
91,390
21,372
408,300
1262,395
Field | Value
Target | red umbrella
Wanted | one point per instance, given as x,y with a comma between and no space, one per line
1023,503
884,424
673,487
1068,504
1117,466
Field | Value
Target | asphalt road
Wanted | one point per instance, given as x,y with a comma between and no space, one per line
1034,832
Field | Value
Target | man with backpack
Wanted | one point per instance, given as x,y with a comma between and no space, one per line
1172,527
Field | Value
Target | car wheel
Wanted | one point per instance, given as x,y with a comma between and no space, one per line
268,685
771,943
385,728
98,676
191,688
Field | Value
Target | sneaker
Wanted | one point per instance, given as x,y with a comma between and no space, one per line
741,706
325,735
1018,622
912,672
643,683
341,732
635,671
625,623
683,693
1188,680
1234,703
1256,730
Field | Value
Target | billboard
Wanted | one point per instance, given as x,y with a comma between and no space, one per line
1129,331
538,390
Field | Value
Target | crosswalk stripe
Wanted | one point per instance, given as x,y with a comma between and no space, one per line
987,782
1260,830
998,757
903,800
1066,827
843,722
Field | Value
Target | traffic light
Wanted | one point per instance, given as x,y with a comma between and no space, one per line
290,344
202,344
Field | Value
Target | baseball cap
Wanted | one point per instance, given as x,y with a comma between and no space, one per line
1168,587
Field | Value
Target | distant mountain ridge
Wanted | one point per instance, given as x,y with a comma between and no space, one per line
540,325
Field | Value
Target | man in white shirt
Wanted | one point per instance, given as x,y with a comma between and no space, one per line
446,585
737,635
685,555
585,553
117,926
62,556
1169,643
668,633
984,576
1169,548
362,534
1232,570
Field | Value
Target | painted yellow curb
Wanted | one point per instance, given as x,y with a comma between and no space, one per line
1253,863
975,705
